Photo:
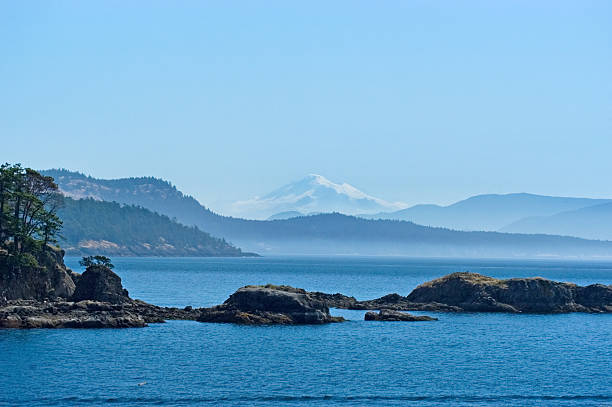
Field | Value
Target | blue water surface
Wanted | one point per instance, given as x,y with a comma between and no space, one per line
463,359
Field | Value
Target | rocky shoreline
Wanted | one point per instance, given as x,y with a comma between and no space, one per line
88,314
56,297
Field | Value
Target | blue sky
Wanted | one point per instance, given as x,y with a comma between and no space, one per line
414,101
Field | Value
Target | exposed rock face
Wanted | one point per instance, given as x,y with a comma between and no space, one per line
391,315
99,283
475,292
270,305
50,280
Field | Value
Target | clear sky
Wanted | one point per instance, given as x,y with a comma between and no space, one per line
414,101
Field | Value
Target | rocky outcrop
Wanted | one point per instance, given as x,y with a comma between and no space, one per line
52,296
249,305
472,292
270,305
61,314
87,314
389,302
48,279
99,283
475,292
98,300
391,315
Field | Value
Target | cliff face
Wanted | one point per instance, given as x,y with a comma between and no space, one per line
49,280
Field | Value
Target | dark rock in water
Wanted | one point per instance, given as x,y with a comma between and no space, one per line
270,305
459,292
87,314
389,301
99,283
62,314
475,292
335,300
391,315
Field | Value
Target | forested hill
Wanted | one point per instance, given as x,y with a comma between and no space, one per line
98,227
152,193
326,233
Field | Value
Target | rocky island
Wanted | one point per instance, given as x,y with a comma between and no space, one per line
472,292
270,304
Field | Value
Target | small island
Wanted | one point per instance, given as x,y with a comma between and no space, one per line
473,292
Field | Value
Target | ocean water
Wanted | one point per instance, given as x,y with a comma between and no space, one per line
461,360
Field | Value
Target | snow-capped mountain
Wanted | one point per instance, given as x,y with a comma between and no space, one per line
313,194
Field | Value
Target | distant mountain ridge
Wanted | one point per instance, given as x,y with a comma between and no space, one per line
329,233
489,212
591,222
313,194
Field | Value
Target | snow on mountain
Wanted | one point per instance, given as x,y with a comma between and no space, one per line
313,194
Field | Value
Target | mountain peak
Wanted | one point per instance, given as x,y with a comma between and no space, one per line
313,194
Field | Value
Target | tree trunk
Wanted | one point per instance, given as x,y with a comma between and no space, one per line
2,198
16,232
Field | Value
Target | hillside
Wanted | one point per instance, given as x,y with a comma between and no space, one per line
97,227
328,233
488,212
593,222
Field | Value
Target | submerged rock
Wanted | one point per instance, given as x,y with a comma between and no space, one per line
391,315
270,305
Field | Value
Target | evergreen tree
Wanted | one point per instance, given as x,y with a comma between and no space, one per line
28,205
91,261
